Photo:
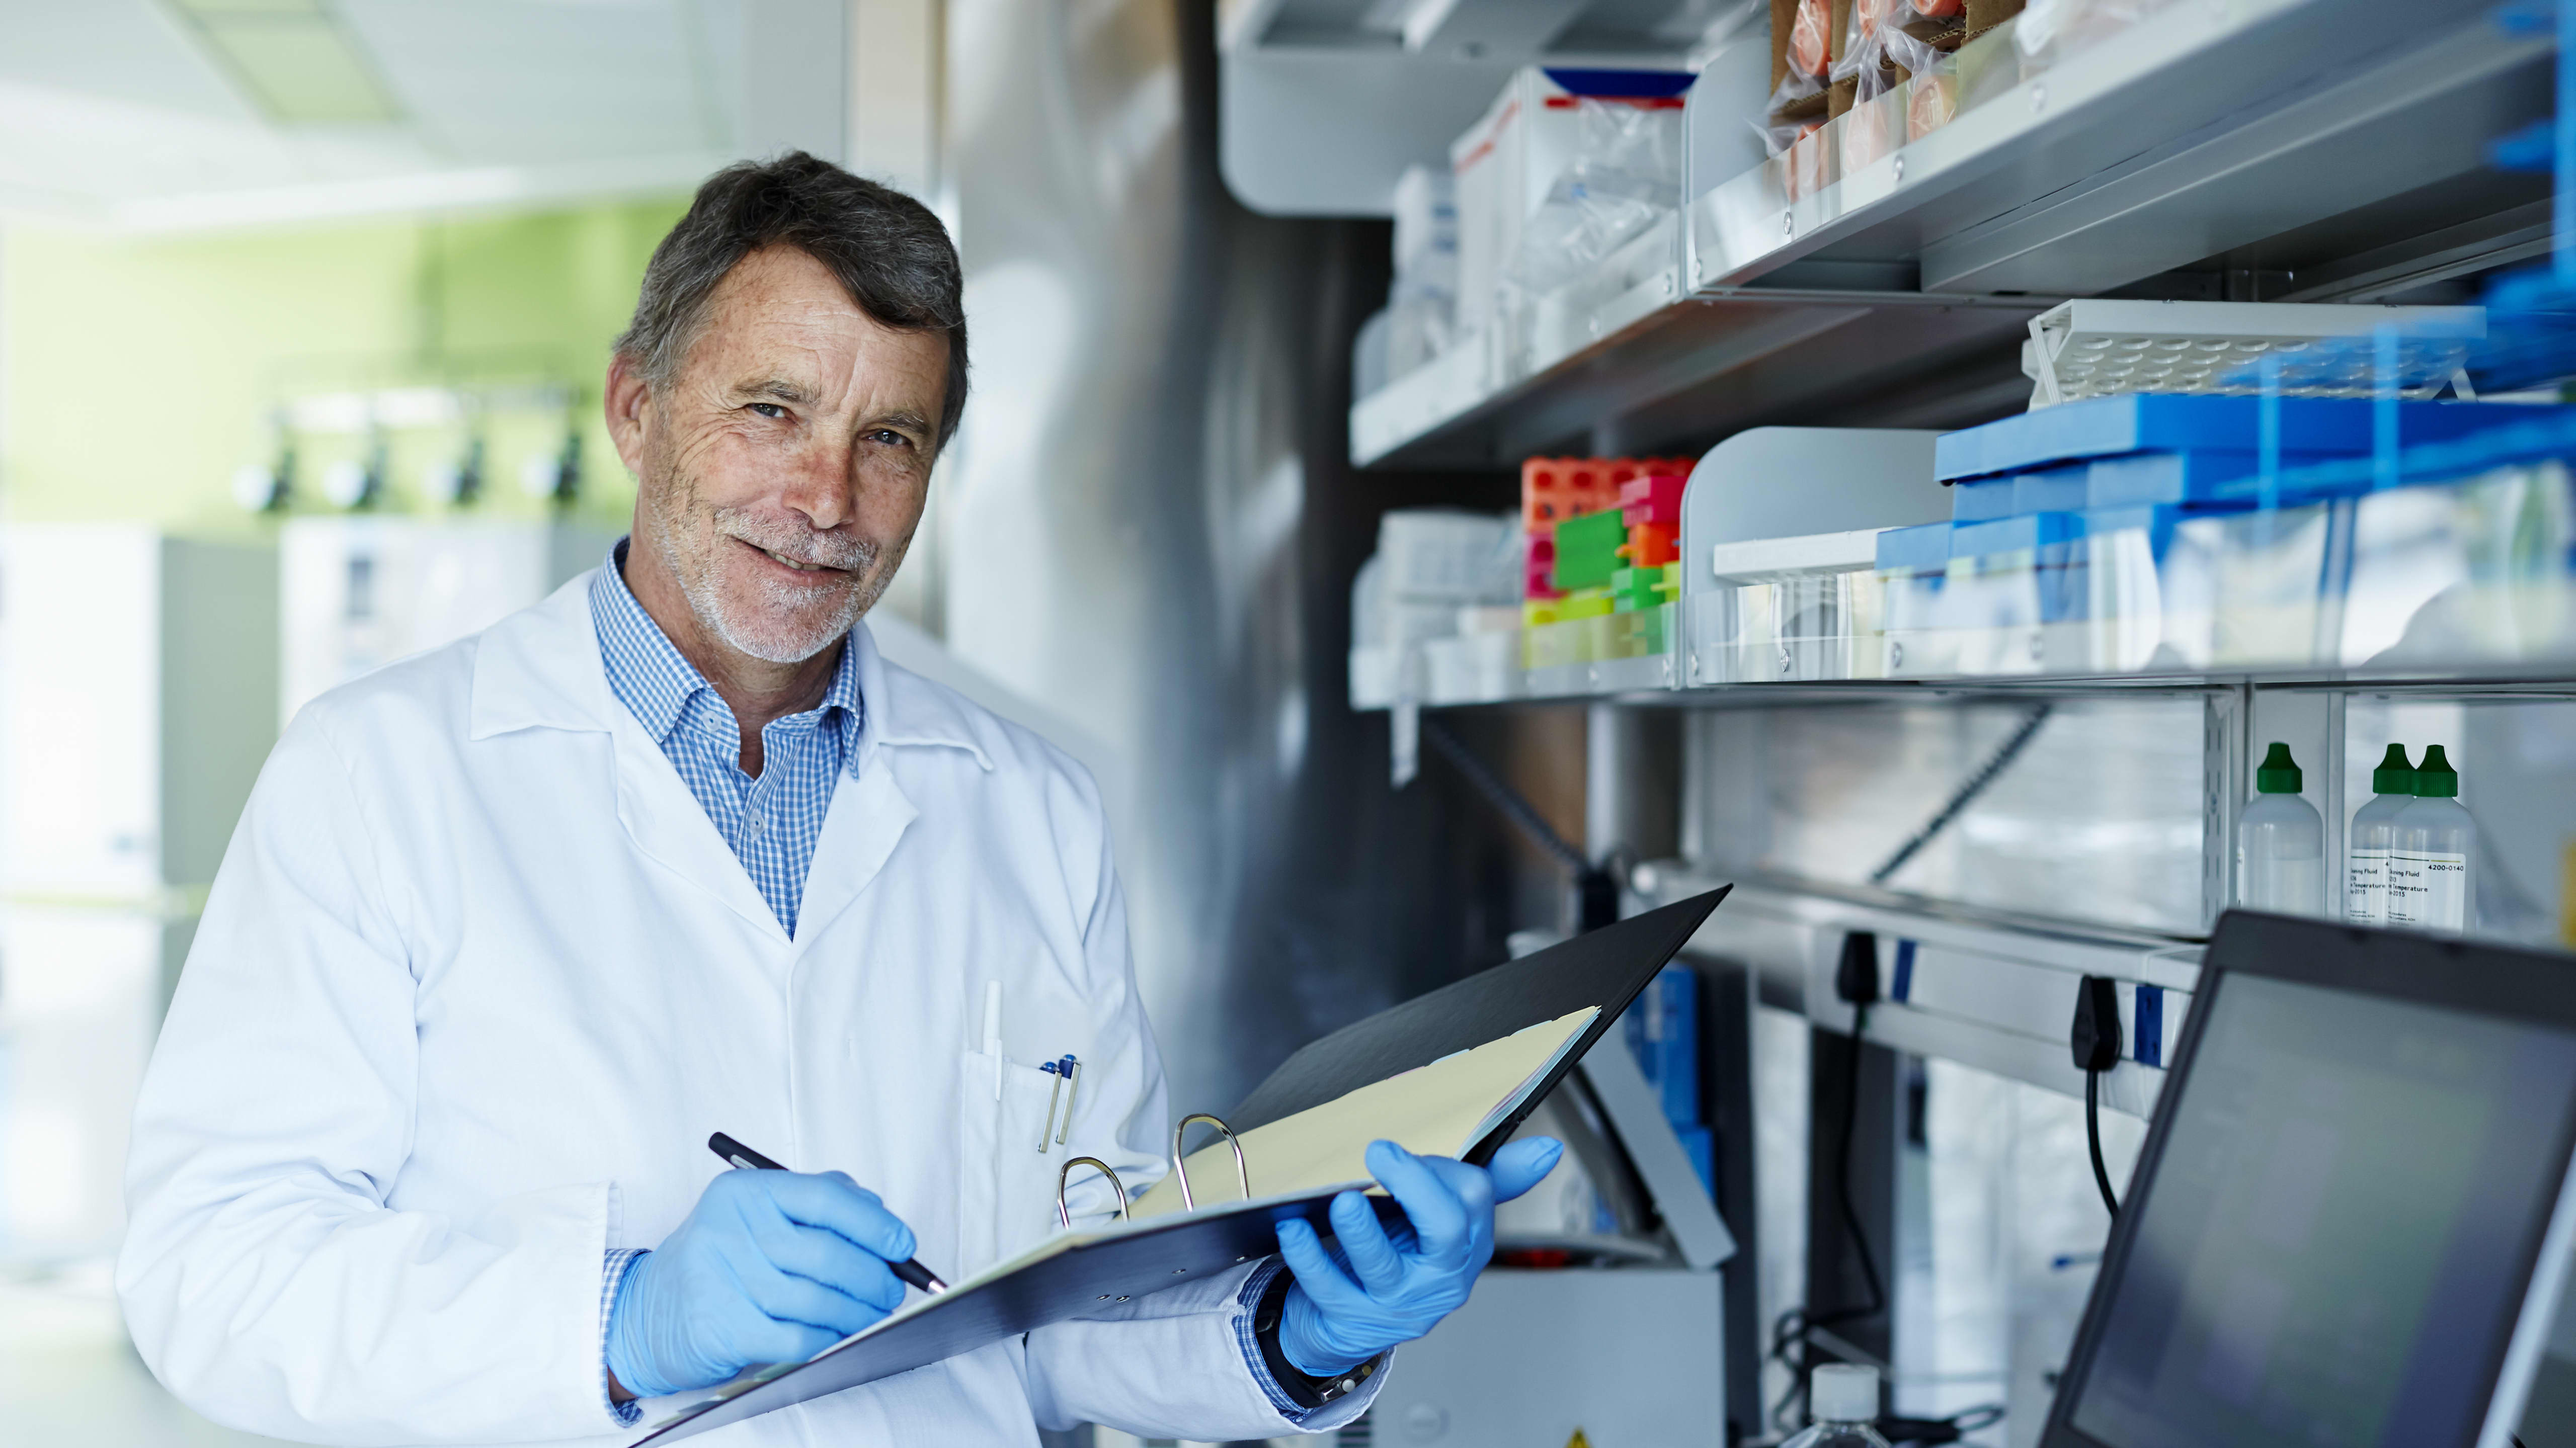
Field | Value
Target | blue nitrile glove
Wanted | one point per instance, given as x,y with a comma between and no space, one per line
770,1267
1409,1278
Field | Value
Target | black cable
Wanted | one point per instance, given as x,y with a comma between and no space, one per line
1933,1432
1789,1333
1851,1213
1963,795
2093,1138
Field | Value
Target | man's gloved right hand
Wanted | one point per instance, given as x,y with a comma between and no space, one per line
771,1266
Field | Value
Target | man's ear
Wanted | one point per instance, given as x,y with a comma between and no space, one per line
625,399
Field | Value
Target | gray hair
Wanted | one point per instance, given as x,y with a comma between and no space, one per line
889,252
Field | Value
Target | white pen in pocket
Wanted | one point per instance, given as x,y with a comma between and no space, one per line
993,1031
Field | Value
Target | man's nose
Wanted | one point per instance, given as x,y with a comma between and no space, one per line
819,484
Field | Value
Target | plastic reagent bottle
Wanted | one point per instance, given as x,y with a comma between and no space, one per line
2281,843
1843,1401
2430,852
2365,891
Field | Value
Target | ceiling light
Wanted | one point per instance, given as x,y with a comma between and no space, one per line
295,59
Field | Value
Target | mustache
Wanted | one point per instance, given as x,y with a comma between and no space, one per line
789,540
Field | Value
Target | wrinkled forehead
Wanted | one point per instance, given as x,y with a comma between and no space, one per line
781,324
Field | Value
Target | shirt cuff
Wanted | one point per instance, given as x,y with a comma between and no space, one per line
1308,1397
613,1275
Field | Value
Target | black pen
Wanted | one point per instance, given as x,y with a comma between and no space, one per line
743,1158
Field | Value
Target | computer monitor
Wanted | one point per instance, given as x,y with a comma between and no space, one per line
2350,1220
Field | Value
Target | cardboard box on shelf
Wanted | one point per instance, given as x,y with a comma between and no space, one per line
1985,15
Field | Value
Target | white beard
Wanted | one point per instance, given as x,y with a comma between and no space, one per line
776,624
771,625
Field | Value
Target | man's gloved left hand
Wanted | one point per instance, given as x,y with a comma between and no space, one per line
1400,1283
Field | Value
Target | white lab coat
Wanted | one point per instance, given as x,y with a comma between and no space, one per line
478,978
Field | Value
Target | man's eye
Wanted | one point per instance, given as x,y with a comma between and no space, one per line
769,409
890,437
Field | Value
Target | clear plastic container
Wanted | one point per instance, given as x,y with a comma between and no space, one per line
1843,1402
2251,588
2477,569
2432,854
2365,889
1797,627
2281,843
1923,612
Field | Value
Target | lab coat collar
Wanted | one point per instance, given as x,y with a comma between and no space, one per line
540,669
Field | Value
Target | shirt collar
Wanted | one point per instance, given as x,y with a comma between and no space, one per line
655,681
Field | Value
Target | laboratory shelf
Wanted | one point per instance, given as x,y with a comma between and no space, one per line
1645,682
2212,125
1697,365
2314,149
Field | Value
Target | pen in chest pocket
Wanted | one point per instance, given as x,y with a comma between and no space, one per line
1068,1084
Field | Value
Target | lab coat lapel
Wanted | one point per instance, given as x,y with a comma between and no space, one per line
541,669
870,810
866,819
668,824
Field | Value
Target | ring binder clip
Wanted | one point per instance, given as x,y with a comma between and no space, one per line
1242,1176
1063,1213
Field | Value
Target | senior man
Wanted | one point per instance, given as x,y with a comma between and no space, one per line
509,929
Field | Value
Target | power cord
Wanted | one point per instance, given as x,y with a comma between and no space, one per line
1933,1432
1855,982
2095,1040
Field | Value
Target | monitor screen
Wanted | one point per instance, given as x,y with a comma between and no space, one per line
2335,1240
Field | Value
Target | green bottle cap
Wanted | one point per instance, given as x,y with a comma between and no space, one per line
2394,775
2435,778
2278,773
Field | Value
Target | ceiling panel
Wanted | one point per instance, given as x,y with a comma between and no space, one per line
504,80
127,50
116,111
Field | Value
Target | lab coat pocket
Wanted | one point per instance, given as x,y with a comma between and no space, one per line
1006,1174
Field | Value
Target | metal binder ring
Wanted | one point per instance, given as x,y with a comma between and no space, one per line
1064,1214
1242,1176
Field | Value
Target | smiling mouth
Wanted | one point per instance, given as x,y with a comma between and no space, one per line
785,561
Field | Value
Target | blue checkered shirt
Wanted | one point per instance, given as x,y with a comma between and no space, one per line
771,822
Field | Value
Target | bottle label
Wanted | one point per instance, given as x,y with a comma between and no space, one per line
2365,892
2428,889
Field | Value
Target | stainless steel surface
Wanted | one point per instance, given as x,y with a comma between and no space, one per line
1631,785
1653,681
2097,824
1985,996
1147,525
1629,1360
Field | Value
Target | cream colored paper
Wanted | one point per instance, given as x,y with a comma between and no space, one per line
1439,1110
